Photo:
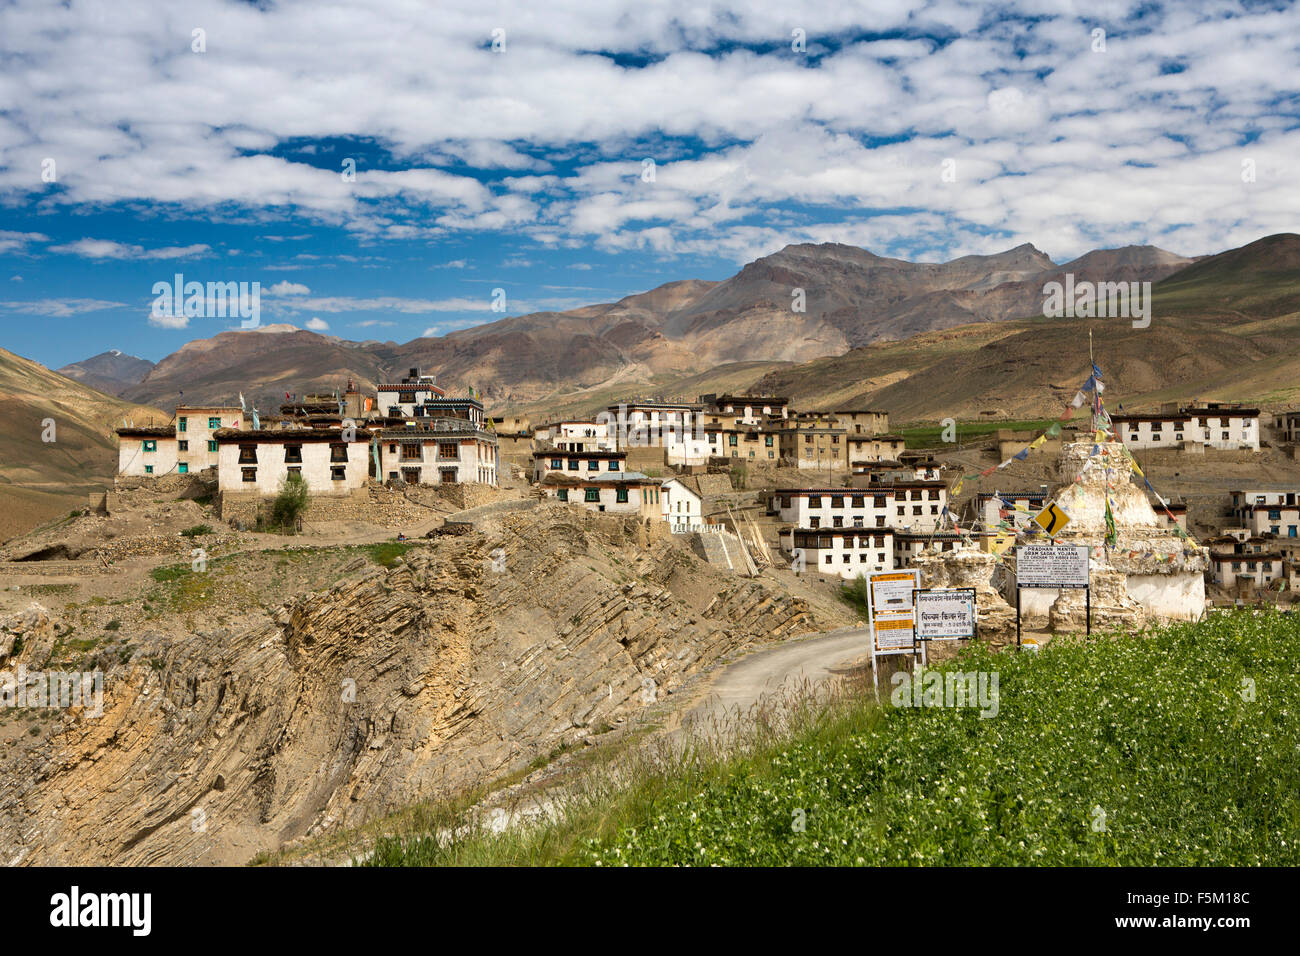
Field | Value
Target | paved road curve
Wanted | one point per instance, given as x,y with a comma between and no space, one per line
744,683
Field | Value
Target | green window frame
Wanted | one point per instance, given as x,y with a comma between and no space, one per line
148,469
214,423
183,422
183,468
212,446
592,494
620,495
563,494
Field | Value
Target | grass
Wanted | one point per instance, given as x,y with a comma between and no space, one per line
197,530
931,436
1175,747
386,553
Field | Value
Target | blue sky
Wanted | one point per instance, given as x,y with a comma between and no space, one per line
133,148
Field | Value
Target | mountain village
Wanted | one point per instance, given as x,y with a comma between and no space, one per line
754,482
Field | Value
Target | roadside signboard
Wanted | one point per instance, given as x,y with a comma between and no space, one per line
892,590
945,615
1048,566
894,632
1053,566
891,615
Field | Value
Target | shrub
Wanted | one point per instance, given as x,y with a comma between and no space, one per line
197,530
290,504
739,476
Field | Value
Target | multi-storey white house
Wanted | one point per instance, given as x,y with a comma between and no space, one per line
619,492
1212,425
402,399
917,505
846,553
578,435
332,461
196,449
1239,557
1274,511
577,463
683,504
438,452
147,451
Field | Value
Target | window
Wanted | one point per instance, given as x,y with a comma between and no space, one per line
148,469
392,449
338,452
557,464
878,502
338,473
837,501
1274,514
785,501
858,501
212,446
1225,436
934,494
297,470
182,423
731,440
293,454
847,558
620,495
563,494
828,560
916,509
184,469
182,446
592,494
771,454
857,521
814,501
249,474
814,522
767,440
573,464
214,423
412,452
448,451
150,446
837,522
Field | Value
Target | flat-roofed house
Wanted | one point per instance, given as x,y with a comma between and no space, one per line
863,421
577,463
1252,561
909,544
439,451
195,426
1287,424
874,449
747,409
1274,511
683,504
147,451
814,440
614,492
578,435
1219,425
332,461
402,399
846,553
756,443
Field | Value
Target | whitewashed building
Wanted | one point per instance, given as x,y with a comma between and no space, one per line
440,452
915,505
259,461
196,448
577,463
683,504
627,493
845,553
403,399
1273,511
1216,425
147,451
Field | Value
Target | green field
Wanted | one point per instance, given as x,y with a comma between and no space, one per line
1177,747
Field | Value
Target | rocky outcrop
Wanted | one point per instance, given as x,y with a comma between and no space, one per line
468,659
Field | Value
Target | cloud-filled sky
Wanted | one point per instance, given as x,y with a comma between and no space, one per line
382,166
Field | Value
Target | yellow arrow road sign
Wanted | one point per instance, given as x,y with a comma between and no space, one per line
1052,519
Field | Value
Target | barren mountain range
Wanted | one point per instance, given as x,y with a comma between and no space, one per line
802,303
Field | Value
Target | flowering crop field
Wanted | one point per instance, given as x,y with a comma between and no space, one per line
1177,748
